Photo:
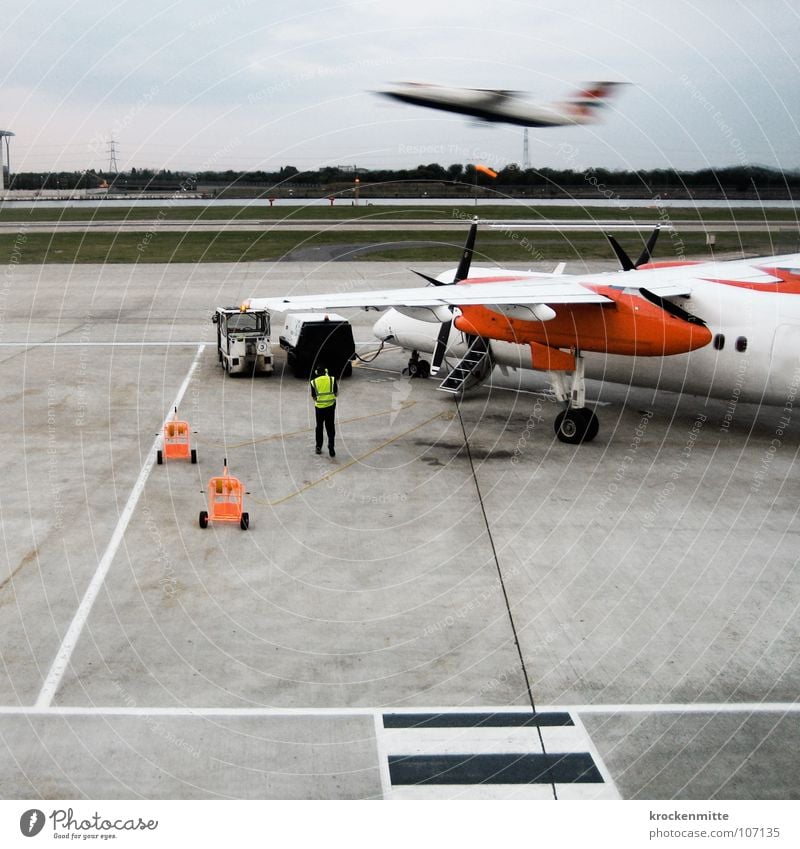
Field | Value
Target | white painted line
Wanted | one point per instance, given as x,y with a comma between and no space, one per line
706,707
565,738
458,792
115,344
383,756
588,792
471,741
73,634
558,226
692,707
610,791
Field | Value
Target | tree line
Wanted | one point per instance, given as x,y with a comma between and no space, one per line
738,179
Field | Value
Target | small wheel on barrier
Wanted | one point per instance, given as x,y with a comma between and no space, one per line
159,457
244,522
193,455
203,519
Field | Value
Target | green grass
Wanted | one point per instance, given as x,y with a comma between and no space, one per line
377,213
163,246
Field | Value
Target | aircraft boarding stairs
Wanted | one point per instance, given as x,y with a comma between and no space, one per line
475,364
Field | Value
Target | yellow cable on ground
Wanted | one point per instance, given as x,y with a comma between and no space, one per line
404,406
351,462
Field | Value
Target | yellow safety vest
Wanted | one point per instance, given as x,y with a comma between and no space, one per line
323,388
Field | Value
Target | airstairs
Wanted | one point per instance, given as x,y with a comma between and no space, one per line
472,368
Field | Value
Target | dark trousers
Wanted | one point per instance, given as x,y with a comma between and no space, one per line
325,418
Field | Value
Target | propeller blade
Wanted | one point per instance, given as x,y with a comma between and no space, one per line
648,250
462,272
441,346
624,260
672,309
432,280
466,258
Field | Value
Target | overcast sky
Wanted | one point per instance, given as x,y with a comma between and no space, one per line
244,84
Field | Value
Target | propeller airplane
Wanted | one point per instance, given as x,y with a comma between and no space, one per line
508,107
719,329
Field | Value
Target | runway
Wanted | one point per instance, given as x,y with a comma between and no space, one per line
380,223
456,606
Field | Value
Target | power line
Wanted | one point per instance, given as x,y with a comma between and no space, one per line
112,157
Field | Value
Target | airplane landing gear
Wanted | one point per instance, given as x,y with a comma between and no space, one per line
417,367
577,423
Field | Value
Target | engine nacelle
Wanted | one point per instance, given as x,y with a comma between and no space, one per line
438,314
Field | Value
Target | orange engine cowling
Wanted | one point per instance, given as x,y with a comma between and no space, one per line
630,325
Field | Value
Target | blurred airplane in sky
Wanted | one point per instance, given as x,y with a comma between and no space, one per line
509,107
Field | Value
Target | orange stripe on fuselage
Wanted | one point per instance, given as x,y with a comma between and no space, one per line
788,282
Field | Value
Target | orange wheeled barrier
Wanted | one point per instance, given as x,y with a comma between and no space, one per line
176,442
225,501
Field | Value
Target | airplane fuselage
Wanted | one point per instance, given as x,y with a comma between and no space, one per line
752,352
491,106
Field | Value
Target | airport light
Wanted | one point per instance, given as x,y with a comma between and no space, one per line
5,135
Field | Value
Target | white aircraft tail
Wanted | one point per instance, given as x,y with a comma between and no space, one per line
588,102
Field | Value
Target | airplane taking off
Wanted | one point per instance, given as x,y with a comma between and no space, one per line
727,330
508,107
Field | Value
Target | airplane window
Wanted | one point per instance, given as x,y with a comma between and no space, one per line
741,343
719,341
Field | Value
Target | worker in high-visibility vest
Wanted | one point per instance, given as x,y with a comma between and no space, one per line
324,388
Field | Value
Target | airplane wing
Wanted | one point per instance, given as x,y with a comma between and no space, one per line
495,96
522,291
664,288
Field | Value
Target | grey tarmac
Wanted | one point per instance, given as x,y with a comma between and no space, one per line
454,563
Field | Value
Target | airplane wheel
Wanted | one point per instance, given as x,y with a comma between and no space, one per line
576,426
593,428
413,368
203,519
424,369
